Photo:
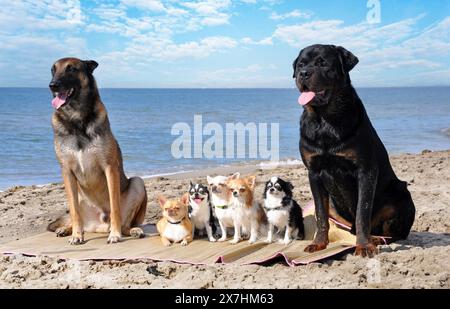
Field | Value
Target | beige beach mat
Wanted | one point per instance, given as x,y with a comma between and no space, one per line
200,251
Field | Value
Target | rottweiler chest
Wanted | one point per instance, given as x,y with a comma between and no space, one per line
343,163
338,174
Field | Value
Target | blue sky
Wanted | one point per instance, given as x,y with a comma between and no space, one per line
222,43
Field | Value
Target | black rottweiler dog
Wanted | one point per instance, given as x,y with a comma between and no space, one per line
350,175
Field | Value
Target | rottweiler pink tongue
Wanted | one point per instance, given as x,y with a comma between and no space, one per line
59,100
198,200
306,97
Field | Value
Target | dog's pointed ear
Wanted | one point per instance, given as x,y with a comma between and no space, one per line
294,66
185,199
190,183
209,179
349,61
251,181
161,200
91,65
290,185
234,176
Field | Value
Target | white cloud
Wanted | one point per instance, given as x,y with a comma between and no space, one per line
30,57
210,12
216,20
149,49
109,13
207,7
40,15
247,76
359,36
250,41
151,5
193,49
292,14
176,11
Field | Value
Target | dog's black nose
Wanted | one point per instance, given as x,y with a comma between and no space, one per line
272,189
304,74
54,85
235,193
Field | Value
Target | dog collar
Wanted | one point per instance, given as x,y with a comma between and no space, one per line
276,208
222,206
178,222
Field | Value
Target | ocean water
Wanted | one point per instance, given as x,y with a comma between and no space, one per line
407,120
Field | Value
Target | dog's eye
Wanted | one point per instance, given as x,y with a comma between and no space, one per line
321,62
71,69
301,64
241,190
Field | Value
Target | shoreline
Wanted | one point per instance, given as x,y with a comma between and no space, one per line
239,166
243,166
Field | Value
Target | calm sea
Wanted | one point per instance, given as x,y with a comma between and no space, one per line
407,119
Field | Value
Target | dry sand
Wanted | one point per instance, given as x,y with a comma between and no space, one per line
422,261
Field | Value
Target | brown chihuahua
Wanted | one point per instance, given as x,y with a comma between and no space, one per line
175,225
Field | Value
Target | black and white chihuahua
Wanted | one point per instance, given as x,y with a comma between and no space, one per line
200,210
282,211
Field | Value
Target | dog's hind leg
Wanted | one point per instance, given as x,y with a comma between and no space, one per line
209,231
133,208
223,228
93,218
396,217
61,226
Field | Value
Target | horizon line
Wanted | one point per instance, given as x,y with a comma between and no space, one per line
231,88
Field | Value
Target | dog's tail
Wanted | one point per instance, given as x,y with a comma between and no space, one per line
63,221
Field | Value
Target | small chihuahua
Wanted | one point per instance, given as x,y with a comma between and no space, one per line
248,214
220,199
200,211
282,211
175,225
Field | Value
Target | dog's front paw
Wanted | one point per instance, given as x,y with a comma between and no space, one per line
166,242
114,238
184,242
63,231
212,239
222,239
137,232
366,250
252,240
76,240
268,240
285,241
315,247
234,241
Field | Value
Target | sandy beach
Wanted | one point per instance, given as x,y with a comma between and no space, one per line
421,261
